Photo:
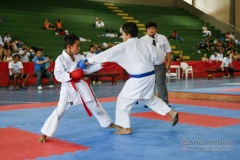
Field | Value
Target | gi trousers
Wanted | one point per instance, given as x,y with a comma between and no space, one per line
124,106
51,123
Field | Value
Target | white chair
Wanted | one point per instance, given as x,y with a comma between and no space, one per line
170,76
173,75
186,69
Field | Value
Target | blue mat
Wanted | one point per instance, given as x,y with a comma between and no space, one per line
151,139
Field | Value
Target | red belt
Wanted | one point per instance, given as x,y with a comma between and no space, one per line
84,104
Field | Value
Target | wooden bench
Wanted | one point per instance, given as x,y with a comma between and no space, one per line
210,73
112,75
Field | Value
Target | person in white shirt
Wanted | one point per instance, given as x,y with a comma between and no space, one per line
99,23
109,35
138,58
227,66
1,41
214,57
91,53
16,71
24,53
220,55
7,38
74,89
161,42
206,31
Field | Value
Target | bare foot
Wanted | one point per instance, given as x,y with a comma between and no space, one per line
112,125
42,138
124,131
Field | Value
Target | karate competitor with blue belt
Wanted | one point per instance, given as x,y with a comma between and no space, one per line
138,58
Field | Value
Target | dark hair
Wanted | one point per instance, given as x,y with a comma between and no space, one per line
130,28
92,45
70,40
16,55
38,49
151,24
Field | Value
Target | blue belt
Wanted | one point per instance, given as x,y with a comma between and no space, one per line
142,75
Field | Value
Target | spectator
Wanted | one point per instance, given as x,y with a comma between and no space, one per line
1,41
99,23
84,39
19,43
220,55
8,55
98,50
48,26
214,57
1,53
17,72
25,53
39,68
175,35
8,45
59,26
7,38
232,36
204,58
91,53
227,66
179,57
205,31
236,56
227,36
230,44
109,35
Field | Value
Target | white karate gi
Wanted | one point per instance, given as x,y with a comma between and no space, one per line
136,57
63,66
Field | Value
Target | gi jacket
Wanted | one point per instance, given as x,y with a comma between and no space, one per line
63,66
136,56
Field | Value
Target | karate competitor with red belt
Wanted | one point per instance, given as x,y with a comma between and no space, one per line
138,58
74,90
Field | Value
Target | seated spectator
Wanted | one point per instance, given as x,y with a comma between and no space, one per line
205,31
25,53
204,58
8,55
220,55
48,26
99,23
40,70
1,53
214,57
91,53
19,43
17,72
227,66
232,36
230,44
1,41
175,35
98,50
201,45
109,35
47,64
227,36
179,57
84,39
7,38
59,26
9,45
236,56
